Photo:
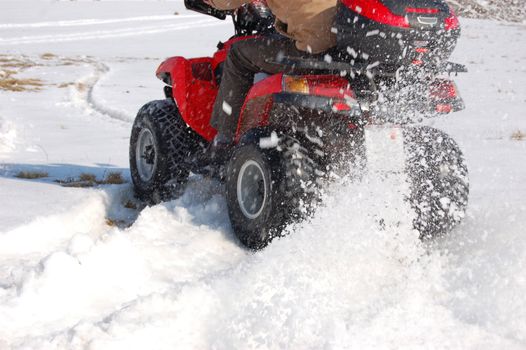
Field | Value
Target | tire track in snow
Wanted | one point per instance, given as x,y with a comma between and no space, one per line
82,94
106,34
88,22
84,87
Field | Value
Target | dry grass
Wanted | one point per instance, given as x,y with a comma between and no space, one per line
87,177
65,85
10,66
81,87
122,224
4,73
31,175
518,136
48,56
13,65
113,178
111,222
130,205
82,181
20,62
9,83
68,62
90,180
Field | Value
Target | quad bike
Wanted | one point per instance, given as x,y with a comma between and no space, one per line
297,126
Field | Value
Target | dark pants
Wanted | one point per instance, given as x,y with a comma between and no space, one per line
245,59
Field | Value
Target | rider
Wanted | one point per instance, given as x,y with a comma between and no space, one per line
306,30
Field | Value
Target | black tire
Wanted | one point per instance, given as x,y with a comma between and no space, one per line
172,143
439,181
286,177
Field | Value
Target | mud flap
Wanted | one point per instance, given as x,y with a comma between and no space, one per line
387,178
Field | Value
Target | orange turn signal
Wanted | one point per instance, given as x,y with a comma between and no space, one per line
295,84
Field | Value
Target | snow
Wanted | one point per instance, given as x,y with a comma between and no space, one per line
81,268
7,136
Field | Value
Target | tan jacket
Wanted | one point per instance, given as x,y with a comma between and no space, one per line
308,22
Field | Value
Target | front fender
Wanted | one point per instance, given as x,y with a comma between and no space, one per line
176,73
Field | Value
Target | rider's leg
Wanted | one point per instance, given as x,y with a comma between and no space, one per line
245,59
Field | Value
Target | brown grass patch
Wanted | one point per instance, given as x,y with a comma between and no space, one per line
68,62
111,222
65,85
19,85
48,56
5,73
71,182
117,223
81,87
113,178
518,136
87,177
31,175
9,67
82,181
14,62
90,180
130,205
9,82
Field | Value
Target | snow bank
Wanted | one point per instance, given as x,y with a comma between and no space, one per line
64,268
177,279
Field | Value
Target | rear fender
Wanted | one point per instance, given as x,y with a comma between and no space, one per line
258,104
269,102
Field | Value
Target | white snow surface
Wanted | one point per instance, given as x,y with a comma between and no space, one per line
173,276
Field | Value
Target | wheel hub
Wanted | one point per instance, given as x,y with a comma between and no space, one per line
146,155
251,189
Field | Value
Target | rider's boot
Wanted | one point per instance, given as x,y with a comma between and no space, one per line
218,151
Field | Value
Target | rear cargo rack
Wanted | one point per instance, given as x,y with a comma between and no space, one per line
317,66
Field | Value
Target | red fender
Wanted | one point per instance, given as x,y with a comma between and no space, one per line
194,90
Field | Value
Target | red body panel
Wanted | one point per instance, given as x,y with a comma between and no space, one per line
375,10
258,104
194,91
255,111
329,86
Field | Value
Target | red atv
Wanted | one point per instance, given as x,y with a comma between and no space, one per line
297,127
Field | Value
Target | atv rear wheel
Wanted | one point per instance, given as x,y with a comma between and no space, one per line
268,189
160,144
439,181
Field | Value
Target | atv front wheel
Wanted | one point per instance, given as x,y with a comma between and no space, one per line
160,144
